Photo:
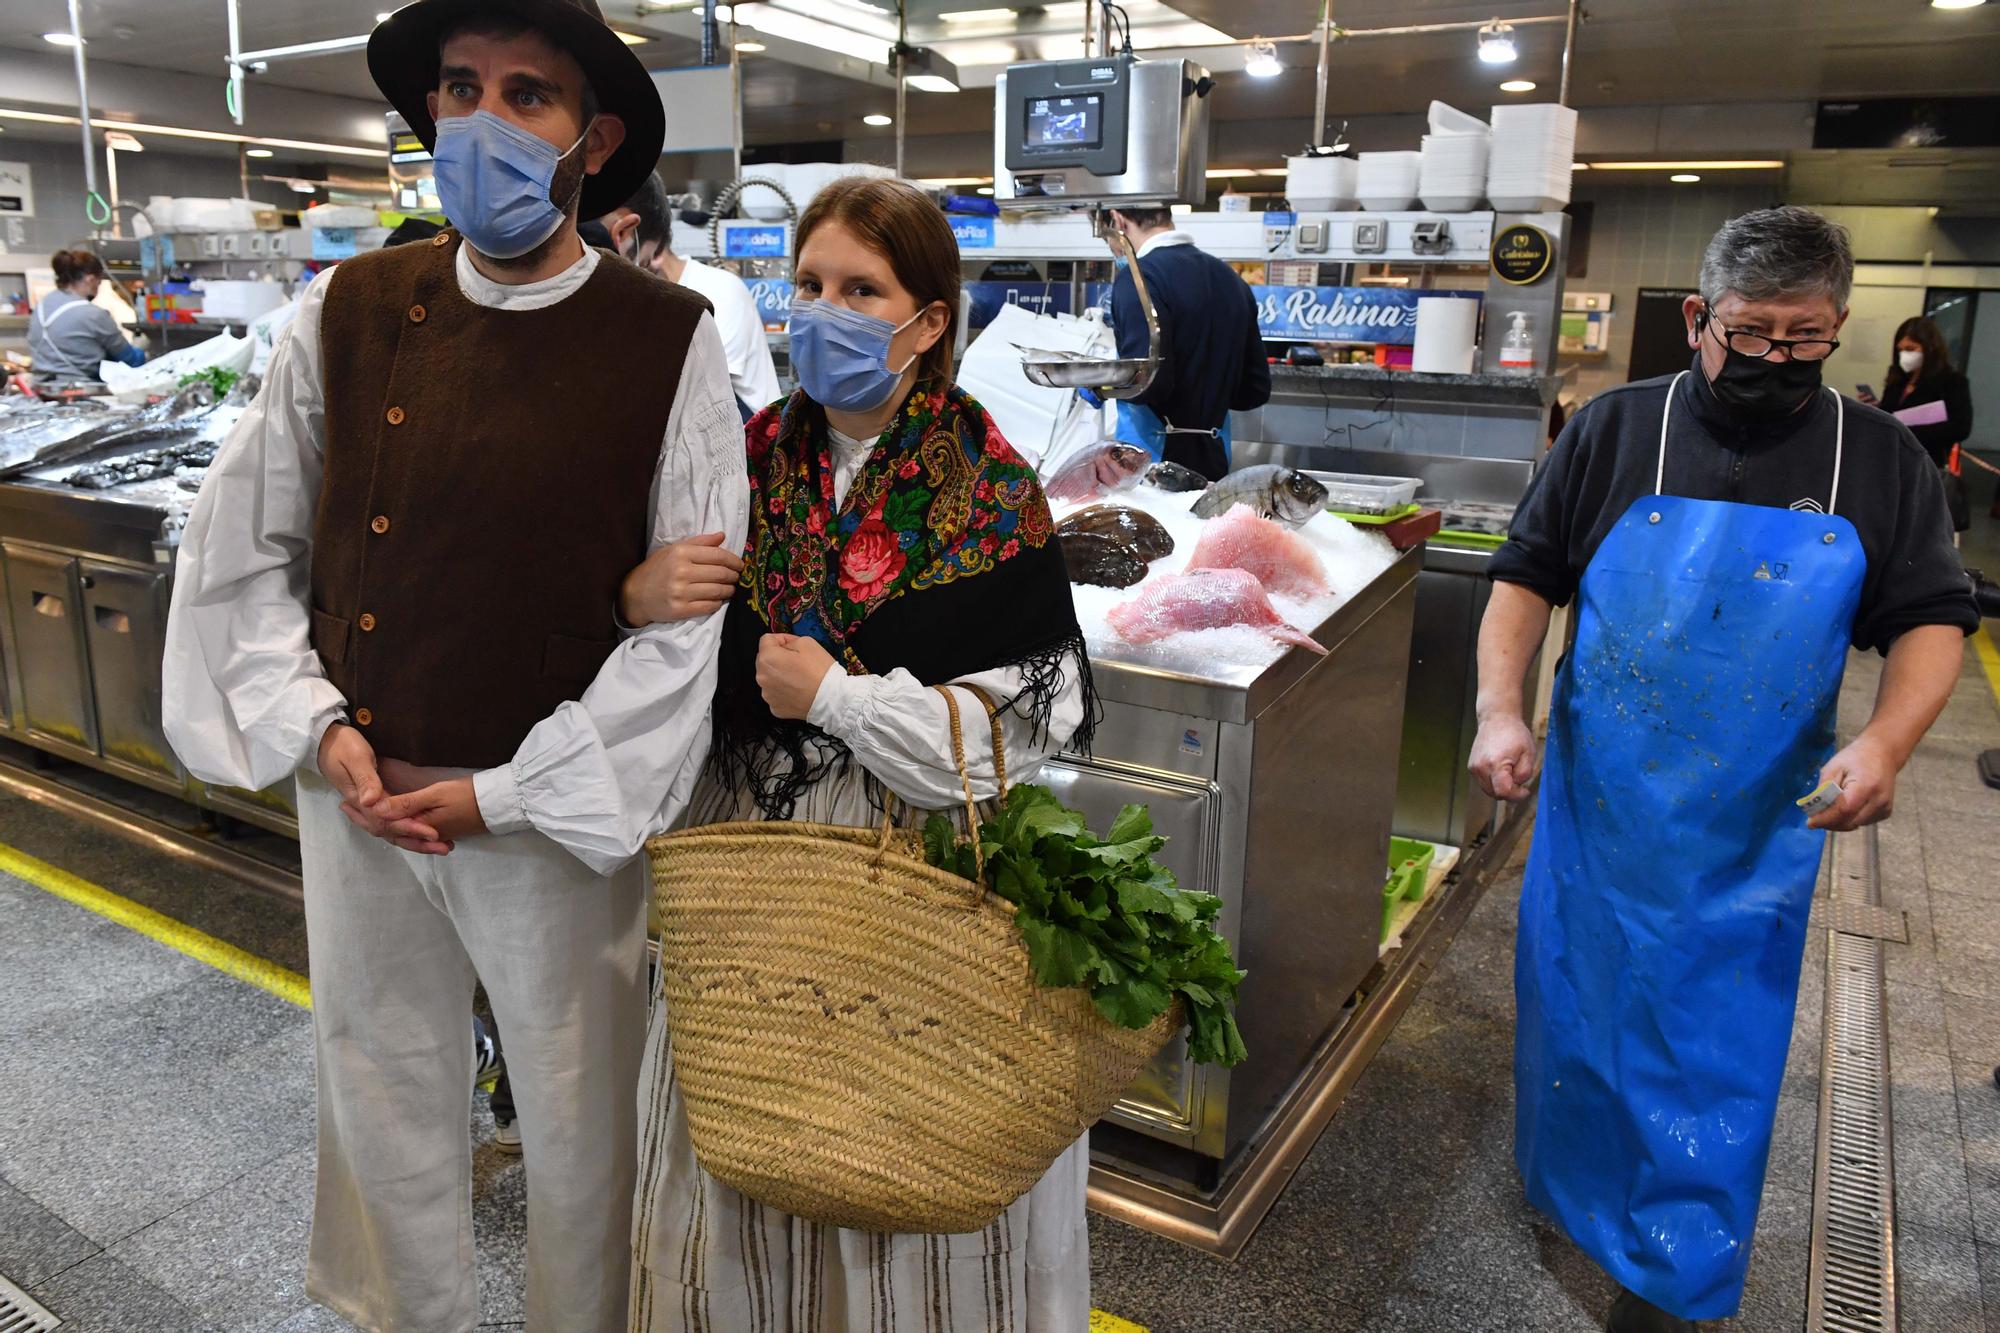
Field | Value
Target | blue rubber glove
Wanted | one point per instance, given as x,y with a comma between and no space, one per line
1090,397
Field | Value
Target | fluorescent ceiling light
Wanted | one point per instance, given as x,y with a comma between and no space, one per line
927,71
751,48
302,186
258,152
1956,4
946,181
775,22
877,118
212,136
60,39
1518,86
1743,164
1496,43
1263,62
123,142
631,38
976,15
931,83
1683,178
1218,173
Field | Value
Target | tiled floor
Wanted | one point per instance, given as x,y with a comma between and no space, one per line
156,1118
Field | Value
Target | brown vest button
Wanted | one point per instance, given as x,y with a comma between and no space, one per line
442,238
362,717
367,621
395,416
417,313
380,525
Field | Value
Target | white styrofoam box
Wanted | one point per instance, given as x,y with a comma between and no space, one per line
758,202
233,300
1328,182
340,216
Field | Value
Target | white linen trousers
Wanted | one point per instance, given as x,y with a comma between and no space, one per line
396,941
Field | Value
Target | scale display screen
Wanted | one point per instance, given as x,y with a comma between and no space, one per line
1065,122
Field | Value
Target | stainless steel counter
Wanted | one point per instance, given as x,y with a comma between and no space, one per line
1276,790
85,578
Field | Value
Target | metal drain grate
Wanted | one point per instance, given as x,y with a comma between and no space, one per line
19,1313
1853,1281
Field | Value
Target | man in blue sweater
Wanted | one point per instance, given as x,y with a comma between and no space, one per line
1211,356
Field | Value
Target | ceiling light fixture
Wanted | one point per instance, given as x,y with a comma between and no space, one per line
751,48
1683,178
1221,173
928,72
1518,86
60,38
123,142
258,152
877,118
1742,164
1263,62
1956,4
302,186
984,189
975,15
177,132
1496,43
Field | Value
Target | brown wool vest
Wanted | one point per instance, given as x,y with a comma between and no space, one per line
487,487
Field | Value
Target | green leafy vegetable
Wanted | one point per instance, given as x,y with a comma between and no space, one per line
223,380
1102,913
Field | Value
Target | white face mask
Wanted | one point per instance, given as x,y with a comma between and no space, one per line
1910,361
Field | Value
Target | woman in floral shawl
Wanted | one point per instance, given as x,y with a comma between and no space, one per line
897,542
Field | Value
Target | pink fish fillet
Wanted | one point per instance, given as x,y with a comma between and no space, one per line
1278,557
1203,599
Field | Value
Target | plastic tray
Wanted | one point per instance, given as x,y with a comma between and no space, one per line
1376,520
1353,493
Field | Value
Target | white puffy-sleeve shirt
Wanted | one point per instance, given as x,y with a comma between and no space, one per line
246,701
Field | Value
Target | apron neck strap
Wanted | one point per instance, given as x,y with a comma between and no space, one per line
1839,441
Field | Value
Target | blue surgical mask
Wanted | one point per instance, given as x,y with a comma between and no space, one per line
841,356
493,179
1120,262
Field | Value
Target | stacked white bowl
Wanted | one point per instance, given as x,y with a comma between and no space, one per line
1316,184
1453,174
1534,146
1387,182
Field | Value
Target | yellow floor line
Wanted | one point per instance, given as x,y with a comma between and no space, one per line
1101,1322
223,957
1989,657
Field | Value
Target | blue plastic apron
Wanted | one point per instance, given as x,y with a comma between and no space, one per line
1663,914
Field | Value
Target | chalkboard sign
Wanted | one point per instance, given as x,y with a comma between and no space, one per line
1659,333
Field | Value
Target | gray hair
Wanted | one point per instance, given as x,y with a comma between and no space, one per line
1774,252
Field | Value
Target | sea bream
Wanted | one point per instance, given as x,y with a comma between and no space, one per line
1280,559
1282,493
1098,470
1174,477
1203,599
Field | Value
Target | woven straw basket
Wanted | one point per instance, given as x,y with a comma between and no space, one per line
857,1035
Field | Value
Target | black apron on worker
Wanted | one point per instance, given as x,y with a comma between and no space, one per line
1663,912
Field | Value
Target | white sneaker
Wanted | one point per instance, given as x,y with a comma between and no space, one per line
507,1137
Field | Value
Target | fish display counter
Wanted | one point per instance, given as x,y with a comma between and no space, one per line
92,499
1264,739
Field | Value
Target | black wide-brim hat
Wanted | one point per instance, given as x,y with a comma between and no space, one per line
403,59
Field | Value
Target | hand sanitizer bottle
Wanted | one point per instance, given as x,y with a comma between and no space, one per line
1517,349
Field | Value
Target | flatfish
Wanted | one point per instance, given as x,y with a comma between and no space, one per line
1136,528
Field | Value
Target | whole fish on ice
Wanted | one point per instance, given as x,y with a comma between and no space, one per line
1282,493
1175,477
1279,558
1203,599
1098,470
1093,557
1145,535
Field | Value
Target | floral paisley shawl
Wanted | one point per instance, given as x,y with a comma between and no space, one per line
942,560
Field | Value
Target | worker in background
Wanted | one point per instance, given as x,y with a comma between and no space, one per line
68,335
642,231
399,584
1726,533
1935,401
1211,355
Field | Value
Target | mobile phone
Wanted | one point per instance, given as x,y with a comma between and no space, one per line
1864,390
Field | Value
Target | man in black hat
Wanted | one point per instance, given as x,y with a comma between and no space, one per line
399,582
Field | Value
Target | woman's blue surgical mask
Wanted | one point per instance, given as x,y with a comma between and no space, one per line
494,179
841,356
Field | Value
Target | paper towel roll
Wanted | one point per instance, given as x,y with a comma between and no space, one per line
1447,329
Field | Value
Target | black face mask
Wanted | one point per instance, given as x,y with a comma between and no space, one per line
1764,390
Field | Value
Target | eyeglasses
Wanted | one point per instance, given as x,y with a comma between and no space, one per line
1747,343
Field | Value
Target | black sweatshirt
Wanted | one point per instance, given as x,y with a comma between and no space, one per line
1889,490
1211,352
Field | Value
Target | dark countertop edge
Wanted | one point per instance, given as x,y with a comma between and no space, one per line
1538,388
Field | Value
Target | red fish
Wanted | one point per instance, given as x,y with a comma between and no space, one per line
1203,599
1279,558
1099,470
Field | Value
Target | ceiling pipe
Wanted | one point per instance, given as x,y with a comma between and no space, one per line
94,208
1569,49
1319,87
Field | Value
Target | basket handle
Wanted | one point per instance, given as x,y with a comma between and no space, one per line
965,779
999,738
